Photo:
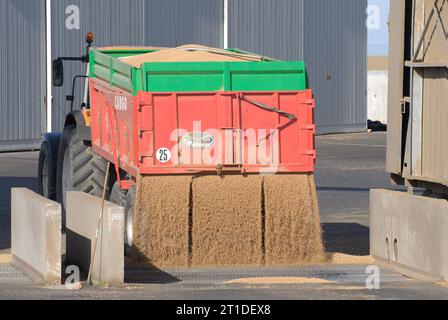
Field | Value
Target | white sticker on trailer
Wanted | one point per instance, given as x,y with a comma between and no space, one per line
121,103
163,155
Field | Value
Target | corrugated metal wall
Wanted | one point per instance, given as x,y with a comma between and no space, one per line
131,22
22,53
268,27
114,22
172,23
329,35
336,54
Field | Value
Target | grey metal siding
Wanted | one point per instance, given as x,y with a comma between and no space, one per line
269,27
329,35
114,22
336,55
131,22
173,23
22,67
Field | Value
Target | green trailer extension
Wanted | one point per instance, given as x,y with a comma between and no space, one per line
269,75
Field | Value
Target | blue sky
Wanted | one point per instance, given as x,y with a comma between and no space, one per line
378,15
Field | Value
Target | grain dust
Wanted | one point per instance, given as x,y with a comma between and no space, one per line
340,258
5,258
181,55
227,221
293,230
443,284
281,280
130,48
162,221
233,220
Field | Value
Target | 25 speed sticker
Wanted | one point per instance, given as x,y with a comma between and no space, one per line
163,155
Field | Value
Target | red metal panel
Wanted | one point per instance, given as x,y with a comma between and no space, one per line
113,125
185,133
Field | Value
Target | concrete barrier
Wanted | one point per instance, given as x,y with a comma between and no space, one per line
82,219
411,232
36,236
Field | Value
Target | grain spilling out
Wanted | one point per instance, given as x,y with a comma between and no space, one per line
233,220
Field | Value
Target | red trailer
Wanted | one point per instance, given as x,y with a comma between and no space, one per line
248,132
234,137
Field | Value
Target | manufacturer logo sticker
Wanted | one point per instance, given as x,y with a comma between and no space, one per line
198,140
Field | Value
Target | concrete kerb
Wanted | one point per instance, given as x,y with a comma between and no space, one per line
36,236
82,219
410,232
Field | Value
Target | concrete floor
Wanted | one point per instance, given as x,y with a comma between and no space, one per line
403,289
348,167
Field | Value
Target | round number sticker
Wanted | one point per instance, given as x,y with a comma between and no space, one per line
163,155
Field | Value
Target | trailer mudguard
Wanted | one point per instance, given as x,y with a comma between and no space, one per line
81,120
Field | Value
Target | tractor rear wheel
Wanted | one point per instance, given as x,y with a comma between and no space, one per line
78,169
118,196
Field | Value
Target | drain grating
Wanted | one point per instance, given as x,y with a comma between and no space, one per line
340,274
149,276
10,275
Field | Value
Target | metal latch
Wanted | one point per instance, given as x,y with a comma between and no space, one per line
403,102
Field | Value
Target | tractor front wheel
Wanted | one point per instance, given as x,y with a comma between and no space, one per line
46,172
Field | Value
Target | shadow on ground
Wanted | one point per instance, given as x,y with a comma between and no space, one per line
6,184
149,275
343,189
347,238
140,270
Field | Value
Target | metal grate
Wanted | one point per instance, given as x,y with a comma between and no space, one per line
10,275
340,274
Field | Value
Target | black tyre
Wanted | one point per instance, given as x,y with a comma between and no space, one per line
46,173
129,211
79,169
118,196
434,195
